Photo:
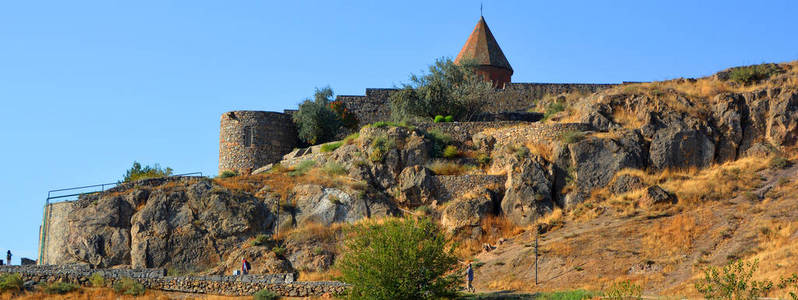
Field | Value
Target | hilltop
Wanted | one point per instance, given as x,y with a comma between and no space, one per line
646,181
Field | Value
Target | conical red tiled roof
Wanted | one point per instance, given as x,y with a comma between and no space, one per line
482,47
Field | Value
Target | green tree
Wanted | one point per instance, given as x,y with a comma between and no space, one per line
398,259
733,281
317,122
138,172
447,89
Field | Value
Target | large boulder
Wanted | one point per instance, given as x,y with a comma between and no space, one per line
782,126
318,204
655,195
196,226
729,112
528,192
468,210
414,186
675,147
100,232
626,183
593,162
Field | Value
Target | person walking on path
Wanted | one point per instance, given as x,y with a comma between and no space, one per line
245,266
470,277
8,258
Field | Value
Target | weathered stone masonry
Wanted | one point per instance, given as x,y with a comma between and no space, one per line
250,139
282,284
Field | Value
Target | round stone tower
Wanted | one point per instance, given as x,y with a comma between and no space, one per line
251,139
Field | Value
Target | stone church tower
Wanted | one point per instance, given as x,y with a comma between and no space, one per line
482,48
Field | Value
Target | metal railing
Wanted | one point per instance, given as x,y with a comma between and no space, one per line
94,188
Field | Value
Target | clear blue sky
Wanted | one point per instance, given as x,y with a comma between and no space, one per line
87,87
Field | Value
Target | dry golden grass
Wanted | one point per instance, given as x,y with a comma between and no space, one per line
540,149
331,274
673,236
493,229
627,118
443,167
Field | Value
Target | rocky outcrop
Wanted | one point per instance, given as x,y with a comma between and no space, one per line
673,147
528,194
415,186
626,183
466,212
317,204
593,162
193,223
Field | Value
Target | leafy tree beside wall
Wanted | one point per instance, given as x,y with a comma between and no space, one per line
447,89
316,120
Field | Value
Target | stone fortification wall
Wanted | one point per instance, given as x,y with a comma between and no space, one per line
522,96
52,236
462,131
448,187
250,139
533,132
376,105
282,284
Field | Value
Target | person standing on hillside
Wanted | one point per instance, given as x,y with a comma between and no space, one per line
470,277
8,258
244,266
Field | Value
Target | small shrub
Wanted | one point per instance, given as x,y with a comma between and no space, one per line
791,283
128,286
302,168
448,168
350,139
379,147
450,152
778,162
261,240
11,282
228,174
334,168
448,119
567,295
752,74
137,172
330,147
552,109
483,159
439,141
571,136
439,119
733,281
97,280
265,294
279,250
521,152
380,124
624,290
60,288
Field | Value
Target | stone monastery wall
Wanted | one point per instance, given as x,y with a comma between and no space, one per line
282,284
252,139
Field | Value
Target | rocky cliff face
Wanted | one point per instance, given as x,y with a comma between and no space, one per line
191,223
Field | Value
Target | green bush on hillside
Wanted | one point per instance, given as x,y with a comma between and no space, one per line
450,152
316,121
733,281
330,147
398,259
448,119
439,119
752,74
302,168
60,288
137,172
11,282
97,280
128,286
228,174
265,294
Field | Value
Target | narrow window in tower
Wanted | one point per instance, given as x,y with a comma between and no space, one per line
252,136
247,136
